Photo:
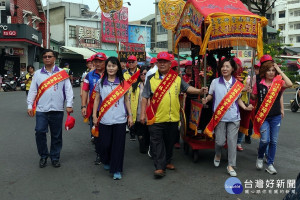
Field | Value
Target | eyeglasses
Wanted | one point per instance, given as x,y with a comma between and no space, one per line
44,57
130,62
143,74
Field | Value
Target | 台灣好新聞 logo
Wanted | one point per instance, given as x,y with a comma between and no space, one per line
233,186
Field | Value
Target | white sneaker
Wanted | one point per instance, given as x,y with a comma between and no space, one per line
271,169
259,163
231,172
217,162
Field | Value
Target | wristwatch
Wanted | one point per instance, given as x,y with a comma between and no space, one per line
83,107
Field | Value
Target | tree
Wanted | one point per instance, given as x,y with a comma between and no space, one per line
261,7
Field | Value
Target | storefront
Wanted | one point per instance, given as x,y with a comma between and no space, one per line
20,46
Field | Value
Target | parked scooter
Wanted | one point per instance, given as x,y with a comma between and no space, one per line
296,101
76,82
9,84
21,83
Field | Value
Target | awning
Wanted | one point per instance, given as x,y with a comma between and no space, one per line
108,53
86,53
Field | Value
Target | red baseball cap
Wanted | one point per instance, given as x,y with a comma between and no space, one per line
265,58
70,122
238,61
171,56
189,63
174,63
257,65
131,58
99,56
153,60
89,59
163,56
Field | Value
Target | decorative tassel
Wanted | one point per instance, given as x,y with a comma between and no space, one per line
244,130
208,133
86,120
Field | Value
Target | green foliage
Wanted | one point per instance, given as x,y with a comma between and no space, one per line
275,48
294,78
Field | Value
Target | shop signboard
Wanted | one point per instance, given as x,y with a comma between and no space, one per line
139,34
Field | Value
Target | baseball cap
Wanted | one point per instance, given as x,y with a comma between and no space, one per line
257,65
265,58
99,56
189,63
131,58
237,61
163,56
174,63
70,122
153,60
66,64
89,59
171,56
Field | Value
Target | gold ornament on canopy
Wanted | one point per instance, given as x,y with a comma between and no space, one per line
110,5
170,12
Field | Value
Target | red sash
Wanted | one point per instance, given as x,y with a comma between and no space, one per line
158,95
266,105
48,83
223,106
89,108
114,96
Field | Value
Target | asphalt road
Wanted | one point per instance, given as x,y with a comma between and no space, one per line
78,177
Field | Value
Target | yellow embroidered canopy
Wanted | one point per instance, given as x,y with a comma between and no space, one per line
110,5
217,24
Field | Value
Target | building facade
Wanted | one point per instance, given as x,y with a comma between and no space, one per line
22,35
286,17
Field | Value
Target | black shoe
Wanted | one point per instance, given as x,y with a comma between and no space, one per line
55,163
132,138
43,162
248,139
98,161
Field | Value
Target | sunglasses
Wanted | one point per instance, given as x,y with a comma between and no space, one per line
130,62
143,74
44,57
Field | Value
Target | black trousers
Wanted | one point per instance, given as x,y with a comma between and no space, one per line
142,132
112,145
162,139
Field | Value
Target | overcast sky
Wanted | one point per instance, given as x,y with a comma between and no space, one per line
138,9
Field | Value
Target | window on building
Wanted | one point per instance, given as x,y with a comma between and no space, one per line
281,26
268,16
291,40
273,16
162,44
282,40
297,26
2,3
297,13
298,39
3,17
281,14
161,29
291,27
72,31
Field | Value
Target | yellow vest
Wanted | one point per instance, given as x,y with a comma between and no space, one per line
134,102
28,81
126,76
169,107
